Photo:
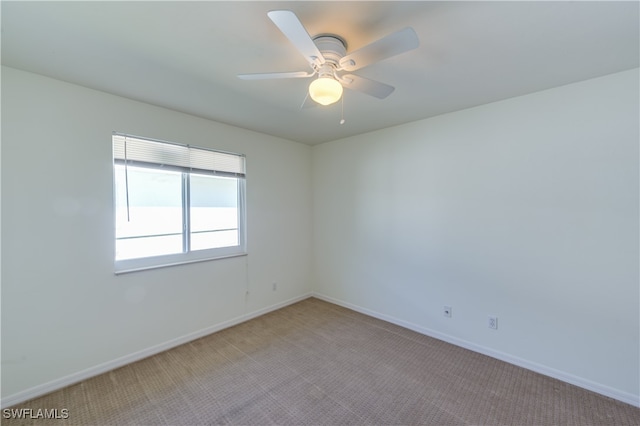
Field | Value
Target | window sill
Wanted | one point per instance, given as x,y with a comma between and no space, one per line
137,265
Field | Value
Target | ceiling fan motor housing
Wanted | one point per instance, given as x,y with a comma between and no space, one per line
332,47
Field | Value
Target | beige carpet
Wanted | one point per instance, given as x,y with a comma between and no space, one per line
317,363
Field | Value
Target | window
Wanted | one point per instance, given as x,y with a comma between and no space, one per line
175,203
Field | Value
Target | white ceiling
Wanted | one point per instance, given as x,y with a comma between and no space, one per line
186,55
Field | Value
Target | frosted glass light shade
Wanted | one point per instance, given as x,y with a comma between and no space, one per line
325,90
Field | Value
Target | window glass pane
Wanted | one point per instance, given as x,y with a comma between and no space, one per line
154,223
214,212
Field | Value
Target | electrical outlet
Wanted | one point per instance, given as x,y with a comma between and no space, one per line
274,286
493,323
447,311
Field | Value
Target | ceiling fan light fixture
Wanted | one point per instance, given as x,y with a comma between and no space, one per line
325,90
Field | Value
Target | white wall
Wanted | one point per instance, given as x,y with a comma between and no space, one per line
63,309
526,209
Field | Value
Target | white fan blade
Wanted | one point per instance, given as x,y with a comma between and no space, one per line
273,75
292,28
367,86
391,45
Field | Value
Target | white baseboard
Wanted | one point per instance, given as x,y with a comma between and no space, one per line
520,362
79,376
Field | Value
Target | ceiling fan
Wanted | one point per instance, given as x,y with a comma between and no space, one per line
327,56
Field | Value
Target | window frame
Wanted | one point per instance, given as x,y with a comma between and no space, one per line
187,256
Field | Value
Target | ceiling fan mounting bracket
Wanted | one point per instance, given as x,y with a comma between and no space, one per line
337,37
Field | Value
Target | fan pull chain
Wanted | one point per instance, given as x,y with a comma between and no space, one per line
342,117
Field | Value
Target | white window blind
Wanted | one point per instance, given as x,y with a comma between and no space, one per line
145,152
